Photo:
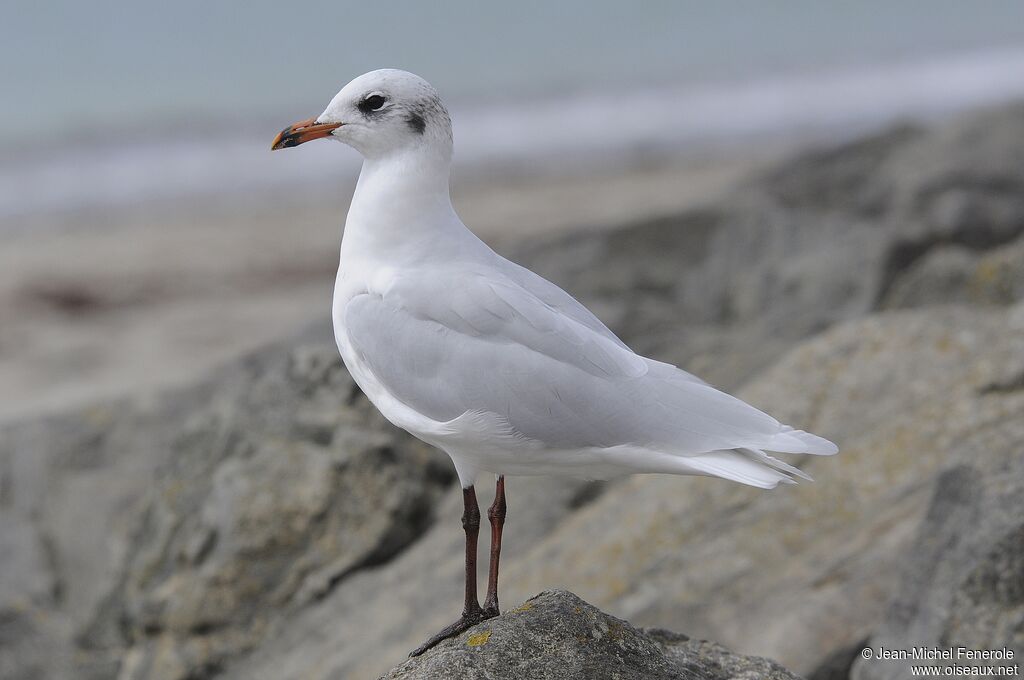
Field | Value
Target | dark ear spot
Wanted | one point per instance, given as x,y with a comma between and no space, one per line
416,123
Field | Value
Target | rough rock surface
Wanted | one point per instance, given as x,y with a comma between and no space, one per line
963,583
220,510
558,636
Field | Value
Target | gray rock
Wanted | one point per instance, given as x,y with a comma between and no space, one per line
837,665
370,622
951,274
826,236
558,636
260,491
963,582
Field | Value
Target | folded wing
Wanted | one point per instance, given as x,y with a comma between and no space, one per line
484,342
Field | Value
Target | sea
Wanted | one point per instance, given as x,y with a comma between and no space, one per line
107,103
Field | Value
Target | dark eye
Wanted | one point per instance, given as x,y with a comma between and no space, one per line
372,103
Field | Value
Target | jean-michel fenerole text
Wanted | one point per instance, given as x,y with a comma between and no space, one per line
945,653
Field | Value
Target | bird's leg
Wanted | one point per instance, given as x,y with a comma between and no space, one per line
496,513
472,614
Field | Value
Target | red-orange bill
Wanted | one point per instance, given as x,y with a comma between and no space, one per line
302,132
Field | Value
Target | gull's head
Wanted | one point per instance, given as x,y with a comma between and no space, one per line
379,113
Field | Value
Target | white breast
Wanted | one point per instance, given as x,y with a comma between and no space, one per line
356,278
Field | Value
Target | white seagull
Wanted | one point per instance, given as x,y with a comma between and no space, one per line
496,366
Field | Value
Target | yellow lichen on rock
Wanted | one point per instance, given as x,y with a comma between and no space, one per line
478,639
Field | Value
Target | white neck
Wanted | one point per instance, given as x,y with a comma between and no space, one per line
401,206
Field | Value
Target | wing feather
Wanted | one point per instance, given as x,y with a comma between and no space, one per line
445,346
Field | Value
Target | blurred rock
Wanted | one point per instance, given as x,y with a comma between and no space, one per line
369,622
837,665
260,491
826,236
951,274
963,582
557,635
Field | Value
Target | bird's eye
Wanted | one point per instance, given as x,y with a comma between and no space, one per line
372,103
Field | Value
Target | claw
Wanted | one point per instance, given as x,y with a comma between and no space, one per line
468,620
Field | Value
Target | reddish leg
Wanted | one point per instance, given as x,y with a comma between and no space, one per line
472,614
496,513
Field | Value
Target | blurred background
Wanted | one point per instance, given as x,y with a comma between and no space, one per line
818,204
135,175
